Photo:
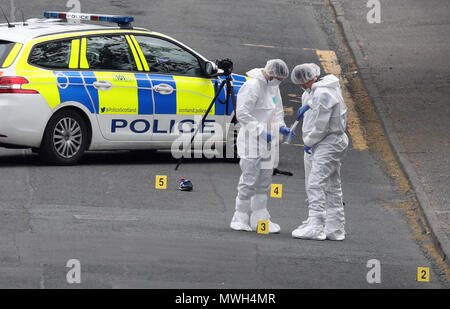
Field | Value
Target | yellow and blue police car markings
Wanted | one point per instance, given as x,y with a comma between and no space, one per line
238,78
123,97
72,88
78,86
221,104
89,79
236,86
194,95
145,98
238,81
164,103
62,80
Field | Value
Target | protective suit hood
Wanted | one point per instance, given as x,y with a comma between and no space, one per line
256,73
329,81
328,113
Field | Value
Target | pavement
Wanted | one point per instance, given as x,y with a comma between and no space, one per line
106,213
403,62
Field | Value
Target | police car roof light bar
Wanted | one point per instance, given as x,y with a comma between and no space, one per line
122,21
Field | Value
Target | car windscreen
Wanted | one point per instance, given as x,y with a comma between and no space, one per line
5,49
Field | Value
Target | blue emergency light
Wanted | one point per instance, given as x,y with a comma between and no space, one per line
122,21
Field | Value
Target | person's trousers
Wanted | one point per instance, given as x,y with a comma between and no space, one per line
253,188
323,182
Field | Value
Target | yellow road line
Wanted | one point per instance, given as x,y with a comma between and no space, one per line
289,111
331,65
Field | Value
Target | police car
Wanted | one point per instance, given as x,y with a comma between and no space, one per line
67,87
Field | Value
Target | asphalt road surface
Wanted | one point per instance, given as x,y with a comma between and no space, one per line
107,214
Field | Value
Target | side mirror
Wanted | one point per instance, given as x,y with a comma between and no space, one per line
210,68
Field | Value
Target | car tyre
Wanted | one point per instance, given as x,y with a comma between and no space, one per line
65,138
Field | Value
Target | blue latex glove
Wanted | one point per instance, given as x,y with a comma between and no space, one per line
267,136
307,149
301,112
285,131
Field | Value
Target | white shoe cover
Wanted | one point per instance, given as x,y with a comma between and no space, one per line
240,222
273,228
310,230
337,235
263,215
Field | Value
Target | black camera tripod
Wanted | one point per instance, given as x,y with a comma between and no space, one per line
227,66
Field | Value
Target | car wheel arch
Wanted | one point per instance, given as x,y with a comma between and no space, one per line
81,110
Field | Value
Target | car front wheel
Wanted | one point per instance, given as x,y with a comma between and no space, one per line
65,138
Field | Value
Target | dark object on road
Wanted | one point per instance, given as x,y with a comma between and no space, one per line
277,171
185,185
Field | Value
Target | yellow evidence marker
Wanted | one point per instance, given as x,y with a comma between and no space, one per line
423,274
161,182
263,227
276,191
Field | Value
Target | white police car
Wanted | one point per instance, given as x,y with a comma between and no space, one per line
70,87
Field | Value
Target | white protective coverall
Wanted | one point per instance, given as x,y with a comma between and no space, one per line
324,128
259,107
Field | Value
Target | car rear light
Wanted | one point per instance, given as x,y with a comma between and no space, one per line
13,84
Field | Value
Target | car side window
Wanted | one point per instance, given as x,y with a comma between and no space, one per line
168,58
109,53
52,55
5,49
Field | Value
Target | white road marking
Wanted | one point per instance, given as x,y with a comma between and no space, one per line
257,45
106,217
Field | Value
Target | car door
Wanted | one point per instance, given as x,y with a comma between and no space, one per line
51,68
120,91
181,92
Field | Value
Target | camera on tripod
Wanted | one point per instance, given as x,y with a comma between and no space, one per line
220,67
226,65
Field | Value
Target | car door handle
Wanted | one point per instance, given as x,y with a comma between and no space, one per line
103,85
163,89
